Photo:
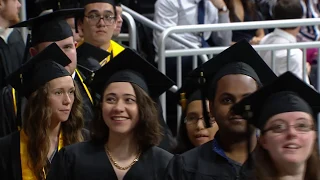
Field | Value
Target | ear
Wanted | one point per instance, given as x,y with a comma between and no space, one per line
33,51
263,142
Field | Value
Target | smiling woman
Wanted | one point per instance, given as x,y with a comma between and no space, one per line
285,112
126,129
52,116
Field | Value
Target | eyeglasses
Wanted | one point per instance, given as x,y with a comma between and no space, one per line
300,127
95,19
190,120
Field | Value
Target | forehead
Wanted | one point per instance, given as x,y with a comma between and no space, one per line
99,7
195,106
61,82
236,84
119,88
290,117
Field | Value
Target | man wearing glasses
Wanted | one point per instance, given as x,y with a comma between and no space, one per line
98,24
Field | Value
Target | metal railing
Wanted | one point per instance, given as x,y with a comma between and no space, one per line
147,22
215,50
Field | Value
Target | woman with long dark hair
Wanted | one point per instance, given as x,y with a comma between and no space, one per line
285,112
192,130
245,11
52,116
126,129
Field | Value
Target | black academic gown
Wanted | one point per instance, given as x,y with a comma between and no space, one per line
10,162
202,163
89,161
88,112
11,57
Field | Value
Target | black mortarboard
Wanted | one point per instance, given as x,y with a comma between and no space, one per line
239,58
118,2
45,66
89,56
50,27
57,4
188,92
286,94
86,2
128,66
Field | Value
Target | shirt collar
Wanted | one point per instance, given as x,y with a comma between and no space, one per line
285,35
5,33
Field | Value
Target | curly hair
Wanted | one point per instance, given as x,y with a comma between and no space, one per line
37,119
147,131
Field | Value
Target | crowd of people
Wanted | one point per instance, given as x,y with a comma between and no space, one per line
75,104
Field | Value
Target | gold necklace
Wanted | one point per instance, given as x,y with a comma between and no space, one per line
117,165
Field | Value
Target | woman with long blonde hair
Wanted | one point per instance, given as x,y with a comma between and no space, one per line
52,117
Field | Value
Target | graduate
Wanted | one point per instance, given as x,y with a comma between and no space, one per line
126,129
225,80
52,27
285,112
52,117
193,131
98,31
11,57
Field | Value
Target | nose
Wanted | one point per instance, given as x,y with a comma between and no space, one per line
101,22
119,106
291,132
67,100
19,4
119,19
200,124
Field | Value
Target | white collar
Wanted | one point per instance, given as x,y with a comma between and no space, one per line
5,33
285,35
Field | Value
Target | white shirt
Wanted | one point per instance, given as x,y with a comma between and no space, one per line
170,13
5,33
280,60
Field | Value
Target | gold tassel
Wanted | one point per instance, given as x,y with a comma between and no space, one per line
183,101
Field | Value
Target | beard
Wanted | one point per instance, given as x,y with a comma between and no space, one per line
14,21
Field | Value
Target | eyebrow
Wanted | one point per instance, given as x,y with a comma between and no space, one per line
96,11
114,94
70,88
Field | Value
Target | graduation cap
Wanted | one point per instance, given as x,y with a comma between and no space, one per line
42,68
57,4
286,94
128,66
50,27
89,56
188,92
239,58
86,2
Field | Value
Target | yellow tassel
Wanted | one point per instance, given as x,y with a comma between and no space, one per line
183,101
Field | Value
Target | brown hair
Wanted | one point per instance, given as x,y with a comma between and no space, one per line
147,131
37,117
266,170
287,9
248,6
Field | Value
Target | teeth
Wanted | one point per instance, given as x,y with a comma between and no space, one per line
292,146
119,118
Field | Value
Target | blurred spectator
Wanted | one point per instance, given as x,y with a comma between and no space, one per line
285,9
170,13
244,11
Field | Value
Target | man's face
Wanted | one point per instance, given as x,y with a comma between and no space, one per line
119,21
76,35
10,11
229,91
67,46
98,24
